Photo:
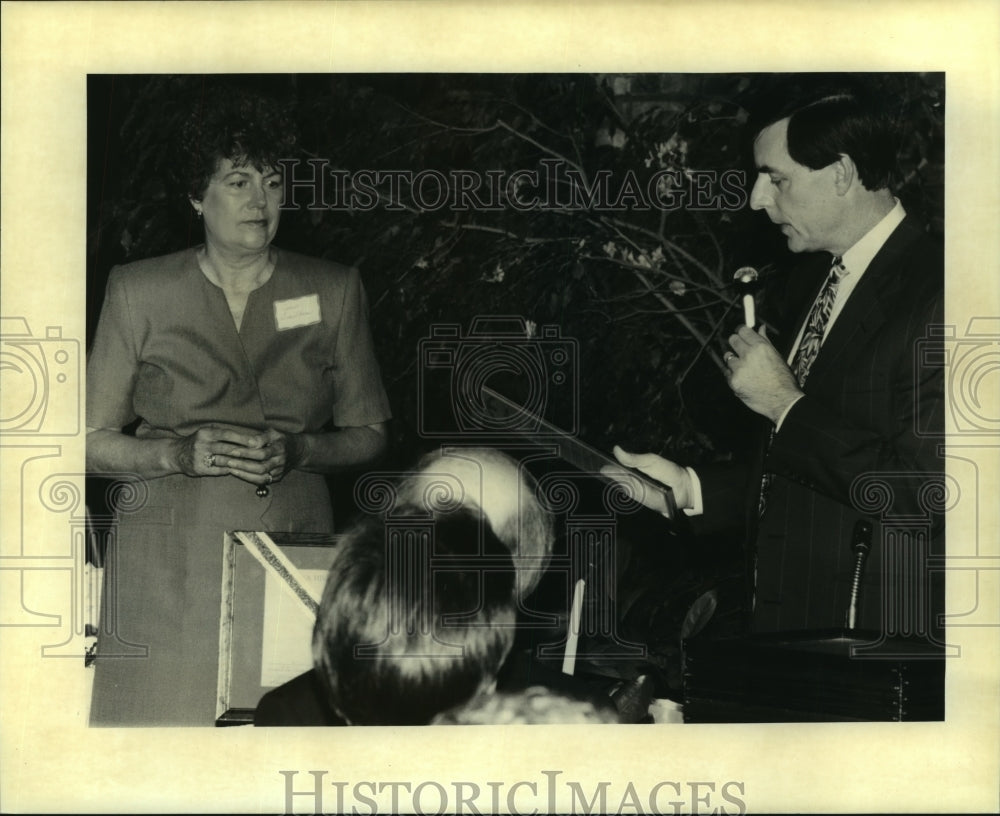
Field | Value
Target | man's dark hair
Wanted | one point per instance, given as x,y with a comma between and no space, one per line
821,129
411,625
236,124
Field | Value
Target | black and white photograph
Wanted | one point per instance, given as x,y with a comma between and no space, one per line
645,402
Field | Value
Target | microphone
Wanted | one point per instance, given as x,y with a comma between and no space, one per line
747,275
861,545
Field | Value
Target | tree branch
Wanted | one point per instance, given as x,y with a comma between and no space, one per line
703,341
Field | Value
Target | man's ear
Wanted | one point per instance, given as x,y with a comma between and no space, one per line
196,204
845,174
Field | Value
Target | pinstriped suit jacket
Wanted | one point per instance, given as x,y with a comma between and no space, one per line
865,442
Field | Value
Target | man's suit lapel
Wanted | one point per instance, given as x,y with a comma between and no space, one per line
869,305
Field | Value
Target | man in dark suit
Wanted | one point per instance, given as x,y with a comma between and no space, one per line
850,396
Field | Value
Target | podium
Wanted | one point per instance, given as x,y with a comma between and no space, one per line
816,676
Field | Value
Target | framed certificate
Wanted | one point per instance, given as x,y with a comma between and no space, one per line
271,587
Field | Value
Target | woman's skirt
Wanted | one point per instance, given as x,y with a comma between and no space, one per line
158,646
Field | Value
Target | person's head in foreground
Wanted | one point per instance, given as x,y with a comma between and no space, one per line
501,488
535,705
411,625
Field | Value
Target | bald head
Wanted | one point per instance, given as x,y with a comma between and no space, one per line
502,489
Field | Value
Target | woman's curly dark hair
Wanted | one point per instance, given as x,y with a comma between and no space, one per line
235,124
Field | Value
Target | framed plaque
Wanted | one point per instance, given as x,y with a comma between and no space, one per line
271,587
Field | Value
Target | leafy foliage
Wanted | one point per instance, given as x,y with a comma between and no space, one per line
644,293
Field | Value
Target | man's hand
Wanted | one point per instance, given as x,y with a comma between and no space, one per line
656,467
758,375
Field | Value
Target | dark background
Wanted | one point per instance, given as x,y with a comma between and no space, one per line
641,300
640,326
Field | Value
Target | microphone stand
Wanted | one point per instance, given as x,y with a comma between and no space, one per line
861,545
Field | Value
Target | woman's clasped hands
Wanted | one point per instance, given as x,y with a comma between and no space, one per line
258,457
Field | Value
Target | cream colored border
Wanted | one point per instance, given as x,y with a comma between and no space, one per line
51,761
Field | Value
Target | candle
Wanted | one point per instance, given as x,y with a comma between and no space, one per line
748,310
747,275
573,634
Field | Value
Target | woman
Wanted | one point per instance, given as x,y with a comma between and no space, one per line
251,372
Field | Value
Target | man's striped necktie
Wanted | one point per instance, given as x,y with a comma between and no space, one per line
819,316
808,350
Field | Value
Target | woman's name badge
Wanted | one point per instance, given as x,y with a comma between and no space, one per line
295,312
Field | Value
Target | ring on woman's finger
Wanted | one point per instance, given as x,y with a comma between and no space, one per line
270,478
729,355
210,460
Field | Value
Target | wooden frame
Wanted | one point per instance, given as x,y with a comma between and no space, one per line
266,577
